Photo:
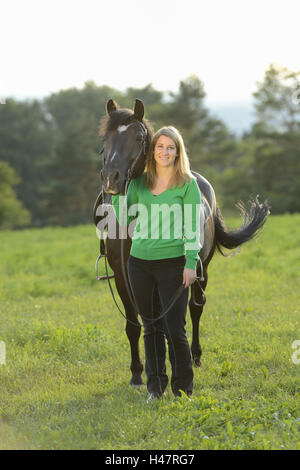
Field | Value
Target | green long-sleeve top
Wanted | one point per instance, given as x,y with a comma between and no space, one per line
168,225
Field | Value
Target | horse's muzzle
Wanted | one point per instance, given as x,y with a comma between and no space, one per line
111,181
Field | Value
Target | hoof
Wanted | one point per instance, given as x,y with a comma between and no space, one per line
136,382
197,362
137,387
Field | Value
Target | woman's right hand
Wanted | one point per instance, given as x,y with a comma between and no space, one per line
189,276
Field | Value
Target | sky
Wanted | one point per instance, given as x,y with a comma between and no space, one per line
50,45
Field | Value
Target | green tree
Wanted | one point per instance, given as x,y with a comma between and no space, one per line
147,94
268,160
12,212
277,134
210,145
277,110
26,137
153,101
73,173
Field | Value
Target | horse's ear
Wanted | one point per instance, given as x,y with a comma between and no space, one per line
139,109
111,106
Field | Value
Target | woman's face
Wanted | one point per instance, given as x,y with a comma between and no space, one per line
165,151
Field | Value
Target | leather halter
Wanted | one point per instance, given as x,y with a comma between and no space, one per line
142,152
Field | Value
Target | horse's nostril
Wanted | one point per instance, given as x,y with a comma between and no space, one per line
116,177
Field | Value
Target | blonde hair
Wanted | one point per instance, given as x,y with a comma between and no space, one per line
182,171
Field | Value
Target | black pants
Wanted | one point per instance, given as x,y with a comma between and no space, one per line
154,284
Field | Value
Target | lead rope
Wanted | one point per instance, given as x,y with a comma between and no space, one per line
129,290
131,294
132,300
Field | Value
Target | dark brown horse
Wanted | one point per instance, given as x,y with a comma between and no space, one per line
127,136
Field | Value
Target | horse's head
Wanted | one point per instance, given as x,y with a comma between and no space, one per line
127,138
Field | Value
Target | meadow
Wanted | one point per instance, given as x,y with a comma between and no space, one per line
65,380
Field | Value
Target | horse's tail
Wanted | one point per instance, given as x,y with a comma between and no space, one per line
253,223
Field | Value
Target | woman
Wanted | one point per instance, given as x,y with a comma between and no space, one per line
163,257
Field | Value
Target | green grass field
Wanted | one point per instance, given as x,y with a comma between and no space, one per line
65,383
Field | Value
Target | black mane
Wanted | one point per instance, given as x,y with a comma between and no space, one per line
122,117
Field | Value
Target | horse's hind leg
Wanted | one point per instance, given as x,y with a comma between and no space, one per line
133,332
196,312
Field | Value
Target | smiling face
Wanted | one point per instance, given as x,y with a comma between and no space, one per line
165,151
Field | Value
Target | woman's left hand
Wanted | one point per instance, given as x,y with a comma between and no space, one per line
189,276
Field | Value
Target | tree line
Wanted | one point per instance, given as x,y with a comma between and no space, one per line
50,148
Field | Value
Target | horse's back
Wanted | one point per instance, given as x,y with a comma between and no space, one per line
207,225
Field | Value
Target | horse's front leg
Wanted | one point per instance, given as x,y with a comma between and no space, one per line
133,332
196,312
